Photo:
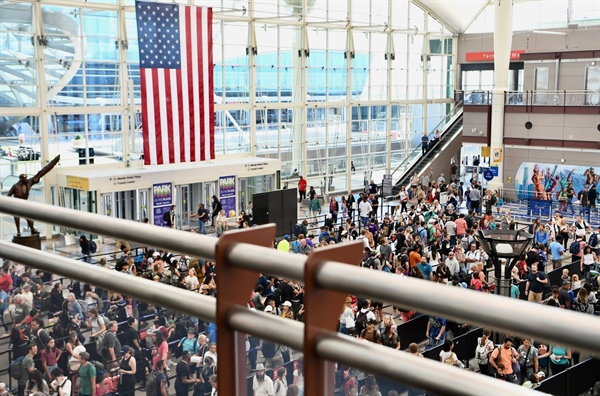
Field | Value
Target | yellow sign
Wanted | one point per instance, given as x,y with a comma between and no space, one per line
485,152
497,156
78,183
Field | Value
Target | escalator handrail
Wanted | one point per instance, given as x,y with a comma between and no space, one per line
452,116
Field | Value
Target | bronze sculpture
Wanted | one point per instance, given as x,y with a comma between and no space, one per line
22,188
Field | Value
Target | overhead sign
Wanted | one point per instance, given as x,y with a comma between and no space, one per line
78,183
494,170
488,175
489,55
387,185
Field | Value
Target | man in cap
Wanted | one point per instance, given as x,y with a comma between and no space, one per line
564,298
262,384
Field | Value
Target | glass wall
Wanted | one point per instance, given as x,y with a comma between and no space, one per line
338,91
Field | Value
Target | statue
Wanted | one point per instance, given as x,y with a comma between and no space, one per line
22,188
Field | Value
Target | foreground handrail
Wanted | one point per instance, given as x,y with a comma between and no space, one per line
155,292
332,346
412,370
517,317
194,244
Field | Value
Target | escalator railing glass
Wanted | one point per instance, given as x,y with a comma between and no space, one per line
414,155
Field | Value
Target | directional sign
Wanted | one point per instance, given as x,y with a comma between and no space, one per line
494,170
488,175
387,185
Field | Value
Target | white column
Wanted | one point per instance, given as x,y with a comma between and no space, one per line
502,46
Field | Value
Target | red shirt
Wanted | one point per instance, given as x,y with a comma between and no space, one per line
6,282
302,185
461,226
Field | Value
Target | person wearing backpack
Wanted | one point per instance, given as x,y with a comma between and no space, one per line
484,348
502,360
24,369
87,376
158,382
587,263
86,249
61,385
362,317
528,359
576,248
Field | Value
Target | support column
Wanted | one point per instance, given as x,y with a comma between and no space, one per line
232,344
503,16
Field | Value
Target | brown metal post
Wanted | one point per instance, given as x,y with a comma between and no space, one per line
234,286
322,312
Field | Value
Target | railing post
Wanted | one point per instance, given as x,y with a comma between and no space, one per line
319,316
234,286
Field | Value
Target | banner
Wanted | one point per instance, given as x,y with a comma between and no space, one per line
162,199
227,194
544,181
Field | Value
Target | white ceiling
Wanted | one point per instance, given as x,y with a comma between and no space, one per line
456,14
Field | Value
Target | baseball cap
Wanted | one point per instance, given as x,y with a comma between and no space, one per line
287,304
268,308
286,236
541,374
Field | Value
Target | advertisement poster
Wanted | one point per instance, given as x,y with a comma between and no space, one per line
227,194
162,199
543,181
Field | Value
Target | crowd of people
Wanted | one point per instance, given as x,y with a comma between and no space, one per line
88,340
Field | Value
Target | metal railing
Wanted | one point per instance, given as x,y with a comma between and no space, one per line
552,98
417,153
544,323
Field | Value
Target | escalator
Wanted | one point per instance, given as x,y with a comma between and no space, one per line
438,157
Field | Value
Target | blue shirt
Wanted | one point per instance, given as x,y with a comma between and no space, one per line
514,291
556,248
434,330
425,269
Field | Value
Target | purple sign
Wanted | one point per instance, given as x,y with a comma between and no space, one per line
227,193
162,194
162,198
158,215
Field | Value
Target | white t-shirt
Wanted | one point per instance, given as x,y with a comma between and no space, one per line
365,208
445,355
65,386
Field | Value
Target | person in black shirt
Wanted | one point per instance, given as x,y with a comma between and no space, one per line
532,256
183,375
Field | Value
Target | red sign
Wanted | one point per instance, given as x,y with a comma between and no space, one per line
489,56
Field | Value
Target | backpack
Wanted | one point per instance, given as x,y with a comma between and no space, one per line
84,307
574,247
450,359
580,307
296,246
101,343
167,217
269,349
361,322
297,230
100,370
481,353
153,383
93,247
16,368
593,242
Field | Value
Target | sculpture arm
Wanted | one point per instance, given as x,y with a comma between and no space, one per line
36,179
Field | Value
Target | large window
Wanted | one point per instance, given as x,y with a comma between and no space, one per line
338,90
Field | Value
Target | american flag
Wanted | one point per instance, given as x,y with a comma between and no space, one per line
176,72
